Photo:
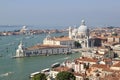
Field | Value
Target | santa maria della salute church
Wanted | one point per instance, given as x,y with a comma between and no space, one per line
81,34
61,45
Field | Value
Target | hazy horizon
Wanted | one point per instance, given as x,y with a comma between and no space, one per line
60,13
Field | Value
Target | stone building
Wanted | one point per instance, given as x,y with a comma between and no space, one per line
80,34
64,41
46,50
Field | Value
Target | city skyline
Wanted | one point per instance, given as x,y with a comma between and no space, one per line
60,13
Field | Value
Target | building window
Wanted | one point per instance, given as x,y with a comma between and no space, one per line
46,51
41,52
62,50
57,50
68,49
52,51
70,44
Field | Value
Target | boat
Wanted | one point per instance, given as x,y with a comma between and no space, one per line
45,70
57,64
42,71
33,74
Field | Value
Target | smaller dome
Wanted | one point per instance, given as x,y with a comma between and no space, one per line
74,31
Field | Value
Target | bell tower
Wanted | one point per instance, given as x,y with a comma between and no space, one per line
70,32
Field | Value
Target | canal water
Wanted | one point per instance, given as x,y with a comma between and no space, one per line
20,68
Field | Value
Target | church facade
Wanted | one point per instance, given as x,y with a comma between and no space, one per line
80,34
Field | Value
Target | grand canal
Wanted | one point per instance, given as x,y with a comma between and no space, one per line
20,68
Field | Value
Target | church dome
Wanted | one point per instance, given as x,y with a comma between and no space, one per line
82,28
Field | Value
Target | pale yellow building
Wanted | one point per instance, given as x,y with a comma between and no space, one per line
64,41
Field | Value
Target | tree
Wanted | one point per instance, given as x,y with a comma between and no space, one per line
40,76
77,44
64,75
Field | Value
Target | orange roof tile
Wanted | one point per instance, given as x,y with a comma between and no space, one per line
87,59
100,66
44,47
78,74
89,70
116,65
62,38
113,37
61,68
108,70
114,76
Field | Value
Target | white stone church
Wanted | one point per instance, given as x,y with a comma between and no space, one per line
80,34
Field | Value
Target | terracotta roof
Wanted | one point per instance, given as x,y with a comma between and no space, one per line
113,43
109,78
116,65
113,37
107,59
61,68
78,74
89,70
108,70
44,47
86,59
100,66
114,76
61,38
76,62
103,38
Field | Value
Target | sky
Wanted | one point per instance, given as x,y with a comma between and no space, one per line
60,12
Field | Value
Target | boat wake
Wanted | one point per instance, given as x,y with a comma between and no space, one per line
6,74
66,57
62,59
